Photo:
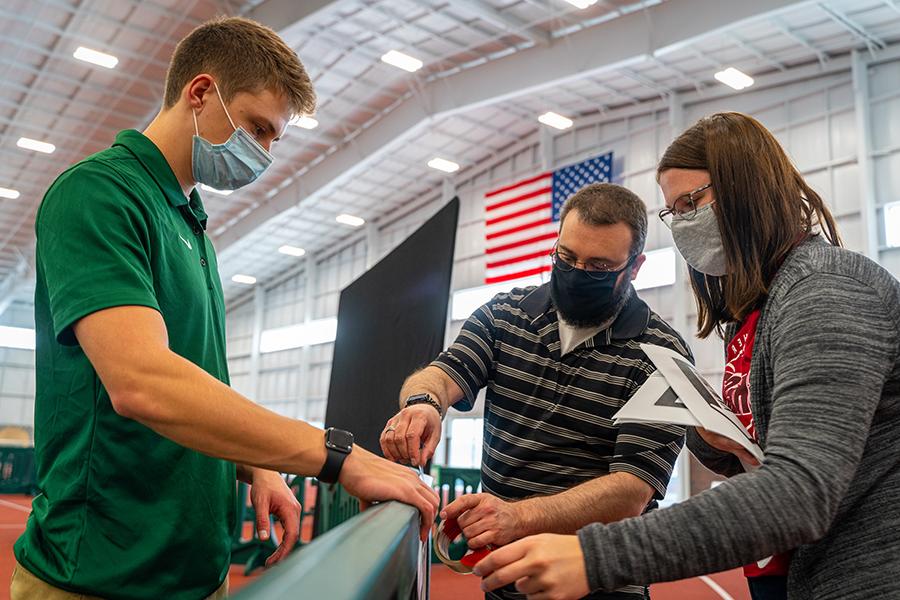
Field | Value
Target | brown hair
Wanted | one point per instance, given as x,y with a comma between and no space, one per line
244,56
608,204
763,208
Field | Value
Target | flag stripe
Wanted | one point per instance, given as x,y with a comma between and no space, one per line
518,275
518,184
532,218
542,206
537,238
544,246
542,200
518,228
515,199
510,261
528,237
518,267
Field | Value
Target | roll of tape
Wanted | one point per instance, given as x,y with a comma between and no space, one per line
447,532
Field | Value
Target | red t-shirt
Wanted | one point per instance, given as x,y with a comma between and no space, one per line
736,395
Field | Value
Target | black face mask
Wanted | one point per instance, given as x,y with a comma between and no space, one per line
583,301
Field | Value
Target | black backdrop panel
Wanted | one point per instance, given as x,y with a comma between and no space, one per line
391,321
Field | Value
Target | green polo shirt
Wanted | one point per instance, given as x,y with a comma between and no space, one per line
123,512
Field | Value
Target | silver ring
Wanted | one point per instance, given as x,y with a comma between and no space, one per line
390,428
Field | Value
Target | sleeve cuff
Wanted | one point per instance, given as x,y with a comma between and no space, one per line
717,461
63,322
592,557
468,402
658,485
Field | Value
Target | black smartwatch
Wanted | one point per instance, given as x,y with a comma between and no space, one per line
338,444
425,399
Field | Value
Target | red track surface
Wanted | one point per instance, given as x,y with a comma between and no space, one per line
447,585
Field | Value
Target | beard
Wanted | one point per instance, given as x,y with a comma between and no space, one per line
621,295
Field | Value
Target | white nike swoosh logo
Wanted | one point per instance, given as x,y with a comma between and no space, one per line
186,243
762,563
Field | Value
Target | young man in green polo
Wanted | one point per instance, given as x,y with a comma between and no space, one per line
138,437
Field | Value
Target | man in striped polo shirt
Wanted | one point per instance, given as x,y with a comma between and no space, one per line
558,361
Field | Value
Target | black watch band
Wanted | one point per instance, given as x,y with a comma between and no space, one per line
338,445
425,399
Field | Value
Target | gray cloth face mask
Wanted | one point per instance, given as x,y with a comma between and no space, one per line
700,242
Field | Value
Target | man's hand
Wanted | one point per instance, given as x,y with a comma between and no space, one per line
410,429
269,494
486,519
545,567
720,442
373,479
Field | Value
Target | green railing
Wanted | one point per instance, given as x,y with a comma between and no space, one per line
373,556
334,506
17,470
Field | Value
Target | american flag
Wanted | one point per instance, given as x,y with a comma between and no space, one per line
522,219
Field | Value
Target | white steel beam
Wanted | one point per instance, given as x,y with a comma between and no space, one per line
871,41
259,312
624,41
287,16
13,283
505,21
860,70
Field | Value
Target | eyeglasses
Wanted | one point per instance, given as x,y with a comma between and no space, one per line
684,207
594,270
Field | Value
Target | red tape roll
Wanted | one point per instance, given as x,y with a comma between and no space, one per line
452,529
447,532
473,558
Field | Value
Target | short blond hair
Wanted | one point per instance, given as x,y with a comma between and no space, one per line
244,56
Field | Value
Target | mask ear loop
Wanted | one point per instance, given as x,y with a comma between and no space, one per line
196,129
219,94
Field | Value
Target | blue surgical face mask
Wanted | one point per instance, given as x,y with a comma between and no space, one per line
232,164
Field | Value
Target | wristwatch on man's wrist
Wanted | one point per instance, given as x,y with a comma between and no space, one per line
338,445
425,399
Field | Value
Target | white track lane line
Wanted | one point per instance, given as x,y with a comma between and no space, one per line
716,588
15,506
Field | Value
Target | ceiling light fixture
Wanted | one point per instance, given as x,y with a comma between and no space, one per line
350,220
734,78
442,164
206,188
402,61
304,122
244,279
37,146
555,120
292,250
8,193
582,3
94,57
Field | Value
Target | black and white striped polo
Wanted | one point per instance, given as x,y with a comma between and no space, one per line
548,418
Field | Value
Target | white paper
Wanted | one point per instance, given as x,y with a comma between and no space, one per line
424,550
699,397
656,402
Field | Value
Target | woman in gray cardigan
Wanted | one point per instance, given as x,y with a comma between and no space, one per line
821,377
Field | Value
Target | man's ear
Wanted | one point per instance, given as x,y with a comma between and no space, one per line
198,91
638,263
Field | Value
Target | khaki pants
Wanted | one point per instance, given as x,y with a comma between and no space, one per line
25,586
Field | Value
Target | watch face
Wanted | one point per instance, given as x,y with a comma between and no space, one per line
339,439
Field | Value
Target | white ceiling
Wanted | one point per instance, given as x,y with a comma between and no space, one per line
491,66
